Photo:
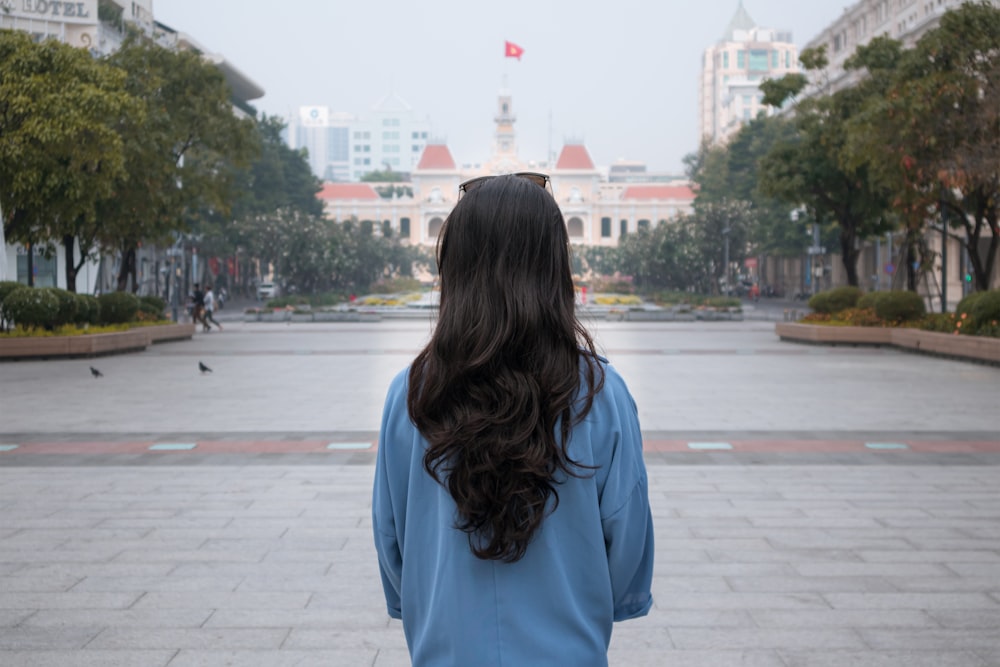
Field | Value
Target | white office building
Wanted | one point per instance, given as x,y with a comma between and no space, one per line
731,73
325,136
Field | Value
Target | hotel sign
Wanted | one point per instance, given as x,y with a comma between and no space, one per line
51,10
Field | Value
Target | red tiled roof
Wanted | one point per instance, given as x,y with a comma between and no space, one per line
574,156
436,156
658,192
346,191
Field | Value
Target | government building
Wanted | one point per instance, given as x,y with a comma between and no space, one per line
598,210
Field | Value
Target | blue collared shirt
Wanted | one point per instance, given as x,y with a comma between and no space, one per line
589,564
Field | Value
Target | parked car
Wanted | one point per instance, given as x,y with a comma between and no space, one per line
267,291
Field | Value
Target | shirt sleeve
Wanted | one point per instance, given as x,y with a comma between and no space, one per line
627,519
387,539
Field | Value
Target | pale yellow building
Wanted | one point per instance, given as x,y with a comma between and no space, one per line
597,212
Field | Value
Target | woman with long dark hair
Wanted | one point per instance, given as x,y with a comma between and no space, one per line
510,506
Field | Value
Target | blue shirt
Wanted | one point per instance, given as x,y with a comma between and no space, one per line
589,564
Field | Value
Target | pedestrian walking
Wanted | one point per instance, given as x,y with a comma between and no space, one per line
209,310
198,306
510,504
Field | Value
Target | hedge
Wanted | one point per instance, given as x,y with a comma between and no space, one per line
6,287
899,306
31,308
152,305
835,300
118,307
88,309
68,306
985,311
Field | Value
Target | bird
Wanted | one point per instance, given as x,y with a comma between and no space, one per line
96,373
203,368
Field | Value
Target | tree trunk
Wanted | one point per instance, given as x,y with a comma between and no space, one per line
911,274
31,264
848,254
69,242
125,270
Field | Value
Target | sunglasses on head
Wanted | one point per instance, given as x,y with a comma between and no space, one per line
541,180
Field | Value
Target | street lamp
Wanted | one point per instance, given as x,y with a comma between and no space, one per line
725,258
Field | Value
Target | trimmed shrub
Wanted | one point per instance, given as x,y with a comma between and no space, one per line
899,306
118,307
986,311
6,287
153,306
835,300
860,317
88,309
31,308
867,301
939,322
68,306
965,321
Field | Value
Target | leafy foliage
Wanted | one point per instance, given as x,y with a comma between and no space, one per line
835,300
31,308
118,307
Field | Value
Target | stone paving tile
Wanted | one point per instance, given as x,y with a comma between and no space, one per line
743,576
279,658
88,658
184,638
882,659
693,658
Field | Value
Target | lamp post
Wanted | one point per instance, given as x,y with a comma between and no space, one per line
725,259
944,254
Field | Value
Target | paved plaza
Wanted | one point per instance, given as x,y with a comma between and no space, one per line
814,506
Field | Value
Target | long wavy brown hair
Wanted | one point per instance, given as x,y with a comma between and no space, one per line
508,370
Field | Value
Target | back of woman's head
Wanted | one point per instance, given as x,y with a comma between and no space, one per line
496,390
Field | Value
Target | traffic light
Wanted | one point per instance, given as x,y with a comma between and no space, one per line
968,277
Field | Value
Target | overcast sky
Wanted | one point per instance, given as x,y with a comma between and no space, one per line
620,75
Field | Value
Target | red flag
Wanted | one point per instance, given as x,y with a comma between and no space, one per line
512,50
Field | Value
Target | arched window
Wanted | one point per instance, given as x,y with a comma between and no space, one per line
434,227
574,227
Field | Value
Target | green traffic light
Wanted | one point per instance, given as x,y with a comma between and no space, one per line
968,277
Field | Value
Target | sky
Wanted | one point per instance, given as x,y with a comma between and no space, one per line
619,75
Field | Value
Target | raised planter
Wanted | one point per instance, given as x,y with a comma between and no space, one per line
973,348
92,345
169,332
336,316
980,348
828,335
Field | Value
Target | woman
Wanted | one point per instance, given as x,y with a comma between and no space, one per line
510,507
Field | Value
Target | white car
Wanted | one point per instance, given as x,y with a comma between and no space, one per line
267,291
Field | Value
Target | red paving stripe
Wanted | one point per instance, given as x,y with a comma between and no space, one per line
321,446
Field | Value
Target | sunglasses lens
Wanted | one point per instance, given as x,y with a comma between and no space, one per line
538,179
472,184
541,180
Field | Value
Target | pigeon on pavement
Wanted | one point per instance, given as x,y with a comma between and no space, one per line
203,368
96,373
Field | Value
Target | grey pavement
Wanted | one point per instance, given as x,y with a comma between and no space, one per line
184,559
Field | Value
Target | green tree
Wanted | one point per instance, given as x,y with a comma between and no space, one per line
59,150
934,136
179,154
812,169
277,184
388,176
732,172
